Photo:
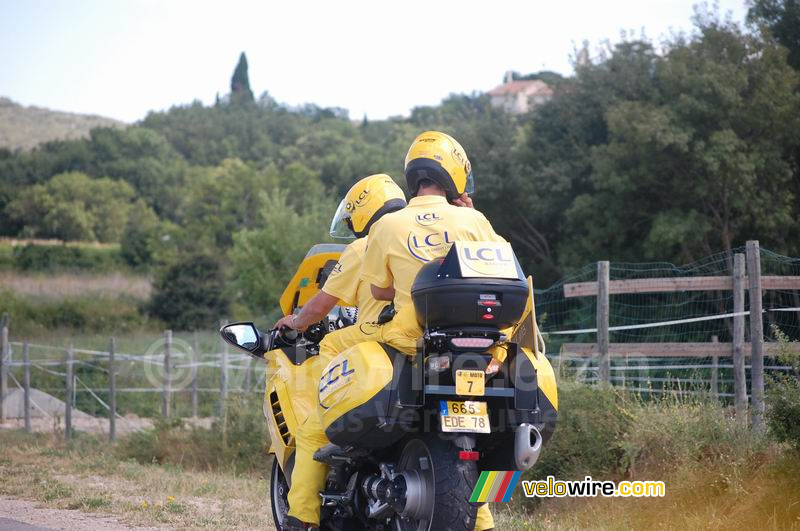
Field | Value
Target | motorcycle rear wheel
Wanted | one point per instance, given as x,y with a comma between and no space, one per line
451,480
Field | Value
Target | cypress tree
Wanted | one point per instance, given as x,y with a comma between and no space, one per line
240,83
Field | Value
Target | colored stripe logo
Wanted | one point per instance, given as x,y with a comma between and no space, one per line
495,487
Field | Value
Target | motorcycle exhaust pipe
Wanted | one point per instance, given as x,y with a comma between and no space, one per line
527,446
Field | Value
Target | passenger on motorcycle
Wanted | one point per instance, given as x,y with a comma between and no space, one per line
366,202
439,179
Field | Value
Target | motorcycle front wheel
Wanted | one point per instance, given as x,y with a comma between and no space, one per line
444,485
279,495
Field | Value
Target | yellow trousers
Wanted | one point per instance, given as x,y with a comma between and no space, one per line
308,476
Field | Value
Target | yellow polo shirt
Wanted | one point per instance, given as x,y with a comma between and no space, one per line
345,284
402,242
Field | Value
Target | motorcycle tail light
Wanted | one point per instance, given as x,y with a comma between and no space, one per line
468,456
438,363
472,342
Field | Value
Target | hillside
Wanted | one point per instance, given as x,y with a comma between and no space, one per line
25,127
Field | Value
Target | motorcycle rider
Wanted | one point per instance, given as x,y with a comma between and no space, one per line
366,202
439,178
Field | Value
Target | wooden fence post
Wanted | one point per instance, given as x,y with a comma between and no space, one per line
165,409
223,376
604,368
68,398
715,371
196,361
112,391
4,350
26,386
756,334
739,374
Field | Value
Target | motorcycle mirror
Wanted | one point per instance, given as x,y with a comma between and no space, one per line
244,336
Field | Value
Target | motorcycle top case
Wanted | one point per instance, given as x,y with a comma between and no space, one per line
476,284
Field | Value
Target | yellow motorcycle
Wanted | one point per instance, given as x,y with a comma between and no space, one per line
410,433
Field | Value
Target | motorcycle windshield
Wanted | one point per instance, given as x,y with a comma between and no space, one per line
470,187
340,226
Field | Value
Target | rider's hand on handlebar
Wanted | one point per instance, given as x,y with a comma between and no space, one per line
463,201
288,322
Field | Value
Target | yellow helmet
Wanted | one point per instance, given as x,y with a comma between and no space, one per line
439,158
365,203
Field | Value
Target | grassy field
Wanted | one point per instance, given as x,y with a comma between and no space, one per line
718,474
88,476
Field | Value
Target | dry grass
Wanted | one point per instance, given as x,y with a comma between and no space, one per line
26,127
87,477
763,496
65,285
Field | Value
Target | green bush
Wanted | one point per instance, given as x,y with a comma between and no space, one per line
783,413
191,294
783,396
589,433
62,257
609,433
682,431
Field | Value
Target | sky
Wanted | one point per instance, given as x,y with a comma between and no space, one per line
379,58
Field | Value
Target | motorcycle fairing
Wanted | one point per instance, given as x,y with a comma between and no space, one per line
310,275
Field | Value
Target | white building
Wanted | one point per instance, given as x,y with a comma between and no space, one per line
518,96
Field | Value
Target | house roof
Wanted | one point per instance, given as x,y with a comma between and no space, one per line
529,87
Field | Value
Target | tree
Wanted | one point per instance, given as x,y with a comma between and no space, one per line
73,206
240,83
669,157
265,259
191,294
782,19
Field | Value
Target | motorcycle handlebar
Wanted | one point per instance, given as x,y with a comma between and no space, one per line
288,333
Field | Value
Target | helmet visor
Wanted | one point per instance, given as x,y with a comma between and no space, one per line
470,186
340,224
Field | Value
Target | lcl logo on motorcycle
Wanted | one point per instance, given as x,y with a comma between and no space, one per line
486,259
339,372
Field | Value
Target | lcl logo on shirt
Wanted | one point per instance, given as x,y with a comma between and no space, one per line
426,246
427,219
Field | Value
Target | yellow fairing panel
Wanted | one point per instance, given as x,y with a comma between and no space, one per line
351,379
306,281
290,397
545,376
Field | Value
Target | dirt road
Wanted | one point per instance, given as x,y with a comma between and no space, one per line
23,515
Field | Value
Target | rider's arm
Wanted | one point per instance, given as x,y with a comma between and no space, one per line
313,312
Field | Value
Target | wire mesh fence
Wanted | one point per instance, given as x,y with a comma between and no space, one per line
191,374
702,318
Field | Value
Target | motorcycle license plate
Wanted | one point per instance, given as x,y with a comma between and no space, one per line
470,383
472,417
